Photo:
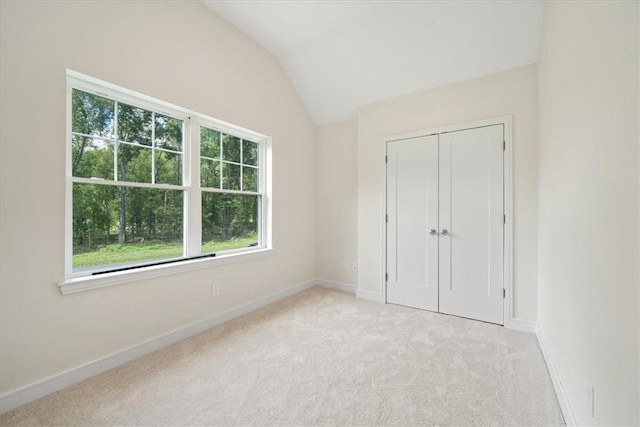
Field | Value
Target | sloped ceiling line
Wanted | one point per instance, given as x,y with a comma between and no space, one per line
342,54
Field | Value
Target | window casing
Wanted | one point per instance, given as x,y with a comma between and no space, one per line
143,176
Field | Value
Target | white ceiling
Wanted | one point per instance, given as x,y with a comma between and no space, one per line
342,54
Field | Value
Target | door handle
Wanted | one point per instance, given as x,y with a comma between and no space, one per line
444,232
433,231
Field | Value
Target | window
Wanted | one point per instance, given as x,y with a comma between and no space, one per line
229,175
151,183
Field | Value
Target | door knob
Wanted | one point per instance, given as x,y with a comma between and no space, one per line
444,232
433,231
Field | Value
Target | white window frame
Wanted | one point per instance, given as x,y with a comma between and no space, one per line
192,220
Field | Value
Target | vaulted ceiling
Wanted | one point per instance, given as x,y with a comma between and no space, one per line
343,54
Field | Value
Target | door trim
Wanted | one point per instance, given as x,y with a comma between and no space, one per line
506,121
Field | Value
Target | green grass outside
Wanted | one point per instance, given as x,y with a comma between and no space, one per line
132,252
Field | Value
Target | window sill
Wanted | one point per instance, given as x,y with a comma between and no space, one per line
86,283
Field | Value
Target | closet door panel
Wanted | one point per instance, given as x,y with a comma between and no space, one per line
471,223
412,209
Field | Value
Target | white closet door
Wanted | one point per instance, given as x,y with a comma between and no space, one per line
471,223
412,208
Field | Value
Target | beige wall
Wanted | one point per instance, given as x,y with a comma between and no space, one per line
588,205
180,52
336,149
512,92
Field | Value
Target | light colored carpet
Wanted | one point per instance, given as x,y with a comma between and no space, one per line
321,357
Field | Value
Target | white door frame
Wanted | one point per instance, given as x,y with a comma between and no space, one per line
506,121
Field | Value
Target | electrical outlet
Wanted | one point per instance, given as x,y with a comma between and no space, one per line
344,267
215,290
354,267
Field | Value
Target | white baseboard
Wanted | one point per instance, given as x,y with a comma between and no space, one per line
521,325
567,412
369,295
344,287
31,392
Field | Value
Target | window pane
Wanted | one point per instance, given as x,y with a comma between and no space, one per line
209,173
231,148
92,114
91,157
229,221
249,153
134,163
168,168
230,176
209,143
249,178
134,124
115,226
168,133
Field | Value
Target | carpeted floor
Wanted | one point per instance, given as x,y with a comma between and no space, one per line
321,357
